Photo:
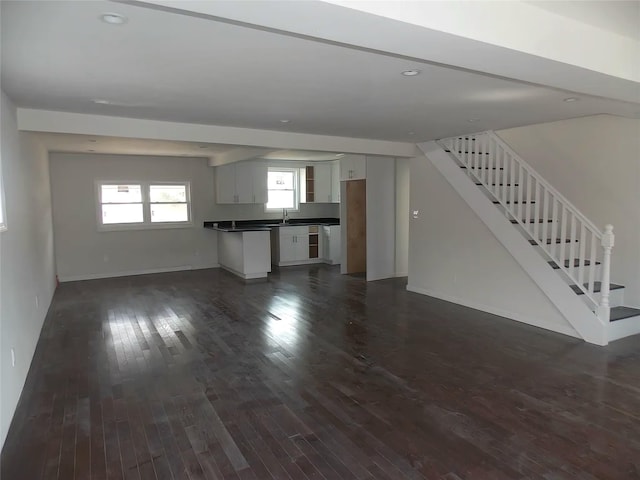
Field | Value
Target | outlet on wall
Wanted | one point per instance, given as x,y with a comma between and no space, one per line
13,357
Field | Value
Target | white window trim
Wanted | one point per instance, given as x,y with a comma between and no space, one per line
296,188
146,224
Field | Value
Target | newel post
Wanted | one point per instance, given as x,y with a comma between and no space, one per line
607,244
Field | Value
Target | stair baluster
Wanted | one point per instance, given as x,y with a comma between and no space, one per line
540,210
607,242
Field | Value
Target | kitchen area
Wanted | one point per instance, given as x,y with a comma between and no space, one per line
297,210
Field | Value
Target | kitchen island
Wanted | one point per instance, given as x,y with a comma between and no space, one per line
245,252
247,248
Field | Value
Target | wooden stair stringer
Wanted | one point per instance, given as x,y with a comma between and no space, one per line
573,309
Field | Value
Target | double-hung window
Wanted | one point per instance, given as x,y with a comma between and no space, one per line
130,205
121,203
168,203
282,188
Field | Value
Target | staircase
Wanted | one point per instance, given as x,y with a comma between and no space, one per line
566,242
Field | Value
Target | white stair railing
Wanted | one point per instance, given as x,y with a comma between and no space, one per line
574,244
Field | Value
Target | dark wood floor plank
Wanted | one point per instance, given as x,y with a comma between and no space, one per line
313,375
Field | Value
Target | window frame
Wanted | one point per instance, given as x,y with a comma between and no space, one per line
296,188
146,224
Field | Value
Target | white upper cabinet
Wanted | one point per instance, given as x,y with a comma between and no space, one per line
317,183
322,178
260,194
226,184
353,167
242,182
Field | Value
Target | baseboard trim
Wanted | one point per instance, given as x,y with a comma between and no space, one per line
131,273
245,276
565,330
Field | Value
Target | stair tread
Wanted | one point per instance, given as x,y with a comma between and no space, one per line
480,168
620,313
576,263
479,153
500,184
532,221
558,240
597,286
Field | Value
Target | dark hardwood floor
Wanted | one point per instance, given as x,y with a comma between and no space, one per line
313,375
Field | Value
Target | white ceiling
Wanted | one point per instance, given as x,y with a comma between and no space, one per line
57,55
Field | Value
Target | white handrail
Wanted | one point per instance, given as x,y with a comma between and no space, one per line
542,211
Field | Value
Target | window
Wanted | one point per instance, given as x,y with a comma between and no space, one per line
168,203
282,185
143,205
121,204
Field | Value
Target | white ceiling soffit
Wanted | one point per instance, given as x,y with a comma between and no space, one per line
219,82
217,154
63,142
306,156
265,140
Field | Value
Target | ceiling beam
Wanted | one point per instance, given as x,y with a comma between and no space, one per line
84,124
238,154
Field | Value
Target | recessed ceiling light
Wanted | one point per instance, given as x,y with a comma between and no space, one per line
113,18
101,101
411,133
411,73
570,99
473,120
284,121
339,155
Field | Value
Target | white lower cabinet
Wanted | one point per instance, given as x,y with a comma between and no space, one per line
331,243
300,245
296,245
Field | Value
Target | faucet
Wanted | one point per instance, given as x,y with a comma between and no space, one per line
284,215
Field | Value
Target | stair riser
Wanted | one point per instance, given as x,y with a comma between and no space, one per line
616,297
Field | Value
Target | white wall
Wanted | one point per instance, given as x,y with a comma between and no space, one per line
84,252
455,257
402,217
381,218
26,257
595,163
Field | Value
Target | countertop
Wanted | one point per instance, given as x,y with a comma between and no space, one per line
266,225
